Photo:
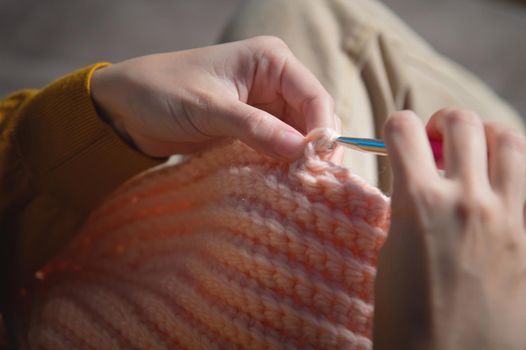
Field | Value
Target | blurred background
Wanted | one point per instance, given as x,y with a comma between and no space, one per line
42,40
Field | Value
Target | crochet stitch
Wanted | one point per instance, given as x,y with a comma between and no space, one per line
228,250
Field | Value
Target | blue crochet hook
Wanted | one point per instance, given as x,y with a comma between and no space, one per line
377,146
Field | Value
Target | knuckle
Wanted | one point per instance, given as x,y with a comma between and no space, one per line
513,244
445,111
425,195
510,236
204,99
432,195
472,208
270,42
322,101
421,201
252,124
509,138
493,127
201,103
400,121
456,116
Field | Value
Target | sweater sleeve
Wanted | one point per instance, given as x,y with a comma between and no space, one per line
58,159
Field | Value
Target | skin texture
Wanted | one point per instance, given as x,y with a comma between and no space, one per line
255,90
451,274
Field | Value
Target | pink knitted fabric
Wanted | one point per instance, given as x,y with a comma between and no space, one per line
229,250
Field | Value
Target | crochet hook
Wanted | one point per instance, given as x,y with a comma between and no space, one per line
377,146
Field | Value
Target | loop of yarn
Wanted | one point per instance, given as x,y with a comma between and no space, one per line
321,143
320,146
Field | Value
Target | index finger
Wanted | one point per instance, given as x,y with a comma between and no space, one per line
409,149
299,88
303,92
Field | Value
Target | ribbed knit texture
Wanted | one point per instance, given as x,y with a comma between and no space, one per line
76,141
228,250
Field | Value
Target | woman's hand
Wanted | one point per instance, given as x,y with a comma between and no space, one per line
254,90
452,273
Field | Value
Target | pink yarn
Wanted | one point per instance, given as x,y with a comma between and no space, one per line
229,250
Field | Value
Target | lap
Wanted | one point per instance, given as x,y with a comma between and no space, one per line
371,63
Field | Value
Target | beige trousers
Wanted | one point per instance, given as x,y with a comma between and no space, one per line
371,63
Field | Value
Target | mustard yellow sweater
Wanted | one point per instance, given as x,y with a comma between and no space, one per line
58,159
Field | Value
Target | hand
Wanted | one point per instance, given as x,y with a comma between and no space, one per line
254,90
452,273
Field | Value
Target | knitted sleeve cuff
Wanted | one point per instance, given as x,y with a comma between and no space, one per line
71,153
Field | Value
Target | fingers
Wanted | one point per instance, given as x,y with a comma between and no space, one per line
296,85
259,130
281,85
409,150
507,163
482,155
303,92
464,145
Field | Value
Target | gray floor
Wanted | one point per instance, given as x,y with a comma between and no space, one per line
41,40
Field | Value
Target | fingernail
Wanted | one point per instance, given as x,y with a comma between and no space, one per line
291,144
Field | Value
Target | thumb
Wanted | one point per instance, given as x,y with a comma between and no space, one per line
260,130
